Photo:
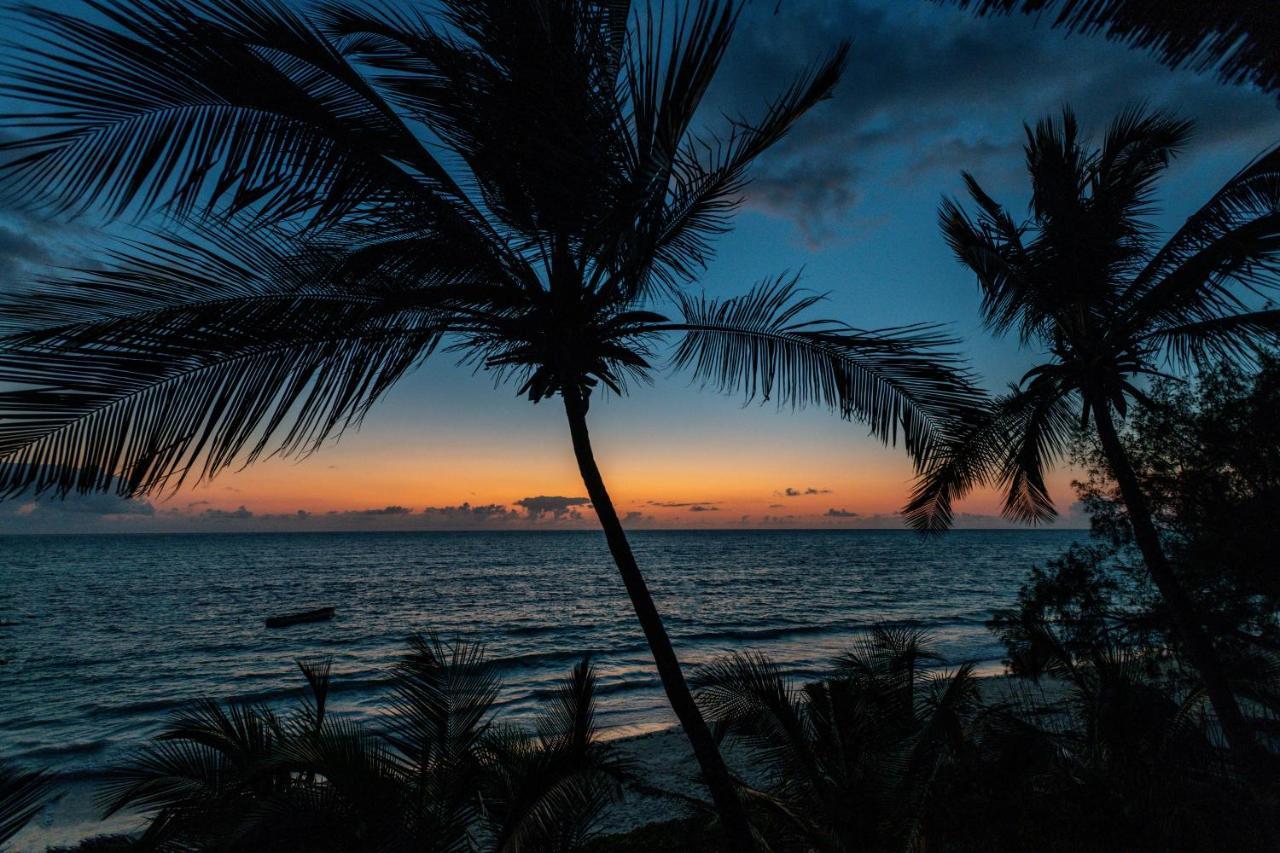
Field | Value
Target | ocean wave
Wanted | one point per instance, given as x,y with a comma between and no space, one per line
100,685
775,632
76,749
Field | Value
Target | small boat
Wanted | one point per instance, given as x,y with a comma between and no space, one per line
323,614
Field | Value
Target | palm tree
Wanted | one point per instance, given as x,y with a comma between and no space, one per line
1085,281
343,194
445,777
1240,38
855,761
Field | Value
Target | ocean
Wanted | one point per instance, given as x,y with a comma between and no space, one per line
103,637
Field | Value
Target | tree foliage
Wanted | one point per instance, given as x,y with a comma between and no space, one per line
1237,38
327,198
443,776
1088,284
890,752
1207,453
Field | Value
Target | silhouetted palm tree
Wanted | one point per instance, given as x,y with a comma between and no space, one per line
22,794
317,246
1085,281
445,777
850,762
1240,38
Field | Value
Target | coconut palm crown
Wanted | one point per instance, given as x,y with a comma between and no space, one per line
330,198
1086,282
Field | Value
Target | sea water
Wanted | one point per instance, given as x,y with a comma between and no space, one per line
104,637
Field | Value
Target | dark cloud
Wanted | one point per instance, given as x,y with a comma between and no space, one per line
556,507
18,250
76,506
48,513
702,508
679,504
466,512
934,89
840,513
240,514
394,509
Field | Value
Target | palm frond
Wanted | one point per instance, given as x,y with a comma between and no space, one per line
22,795
216,104
1010,444
444,694
318,674
182,356
365,787
710,175
992,247
1236,337
1041,439
1239,40
748,695
1229,244
569,722
759,345
888,655
1136,150
966,461
548,792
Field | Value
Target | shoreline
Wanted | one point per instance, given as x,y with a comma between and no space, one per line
661,757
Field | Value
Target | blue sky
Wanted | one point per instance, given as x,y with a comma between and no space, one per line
850,197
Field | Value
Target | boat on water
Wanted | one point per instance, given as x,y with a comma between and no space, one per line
322,614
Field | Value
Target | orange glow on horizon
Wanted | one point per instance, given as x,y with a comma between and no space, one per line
727,485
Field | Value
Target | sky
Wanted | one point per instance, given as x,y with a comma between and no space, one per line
849,199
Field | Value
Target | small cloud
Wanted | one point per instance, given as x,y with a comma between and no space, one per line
466,512
701,508
236,514
680,504
789,492
394,509
555,506
634,515
776,506
840,513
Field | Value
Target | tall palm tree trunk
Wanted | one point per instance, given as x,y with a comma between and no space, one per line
714,771
1181,610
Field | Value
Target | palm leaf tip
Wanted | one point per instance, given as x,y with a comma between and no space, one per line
1009,443
898,380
